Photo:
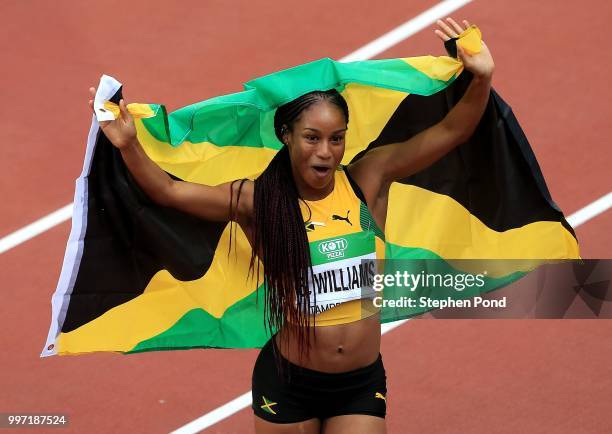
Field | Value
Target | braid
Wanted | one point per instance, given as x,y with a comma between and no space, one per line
280,237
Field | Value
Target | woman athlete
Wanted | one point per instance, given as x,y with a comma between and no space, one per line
332,381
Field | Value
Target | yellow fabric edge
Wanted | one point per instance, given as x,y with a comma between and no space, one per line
137,110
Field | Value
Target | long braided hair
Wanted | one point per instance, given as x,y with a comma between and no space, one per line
279,231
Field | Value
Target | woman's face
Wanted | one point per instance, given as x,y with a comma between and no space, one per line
316,148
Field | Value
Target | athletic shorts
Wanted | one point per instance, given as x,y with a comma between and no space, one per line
298,394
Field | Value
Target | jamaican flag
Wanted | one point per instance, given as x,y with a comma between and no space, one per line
140,277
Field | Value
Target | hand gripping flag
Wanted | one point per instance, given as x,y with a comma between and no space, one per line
140,277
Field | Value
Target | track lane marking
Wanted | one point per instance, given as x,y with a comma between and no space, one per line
405,30
590,211
36,228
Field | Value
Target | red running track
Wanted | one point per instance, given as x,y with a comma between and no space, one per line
444,376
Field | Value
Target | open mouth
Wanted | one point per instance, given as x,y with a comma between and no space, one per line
321,170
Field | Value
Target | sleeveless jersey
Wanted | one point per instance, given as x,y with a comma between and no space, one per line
344,243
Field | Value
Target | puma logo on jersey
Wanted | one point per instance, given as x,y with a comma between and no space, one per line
346,219
380,396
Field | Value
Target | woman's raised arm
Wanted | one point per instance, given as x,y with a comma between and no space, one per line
381,166
204,201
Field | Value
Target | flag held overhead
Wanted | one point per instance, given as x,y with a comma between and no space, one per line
140,277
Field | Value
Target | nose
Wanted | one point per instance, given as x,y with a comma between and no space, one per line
324,150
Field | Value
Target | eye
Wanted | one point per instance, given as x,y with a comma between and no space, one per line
311,138
337,139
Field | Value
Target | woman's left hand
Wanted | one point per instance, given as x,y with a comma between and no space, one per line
480,64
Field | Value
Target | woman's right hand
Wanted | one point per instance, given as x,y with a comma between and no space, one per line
121,132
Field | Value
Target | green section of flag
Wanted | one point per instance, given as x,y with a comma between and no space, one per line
246,118
241,326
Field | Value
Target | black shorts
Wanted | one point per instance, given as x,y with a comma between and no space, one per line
300,394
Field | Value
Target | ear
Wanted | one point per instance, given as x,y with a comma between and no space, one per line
285,134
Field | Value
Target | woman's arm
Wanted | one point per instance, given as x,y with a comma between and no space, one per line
207,202
381,166
402,159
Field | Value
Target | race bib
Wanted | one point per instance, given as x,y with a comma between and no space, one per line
343,270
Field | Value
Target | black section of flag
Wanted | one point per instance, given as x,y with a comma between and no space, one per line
128,239
494,175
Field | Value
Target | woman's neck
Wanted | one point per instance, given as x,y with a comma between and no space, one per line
312,194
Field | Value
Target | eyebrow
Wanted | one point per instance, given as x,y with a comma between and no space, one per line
317,131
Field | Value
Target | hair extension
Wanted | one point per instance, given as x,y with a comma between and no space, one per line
233,213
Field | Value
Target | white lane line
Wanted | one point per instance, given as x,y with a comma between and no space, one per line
593,209
38,227
388,326
217,415
404,31
243,401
